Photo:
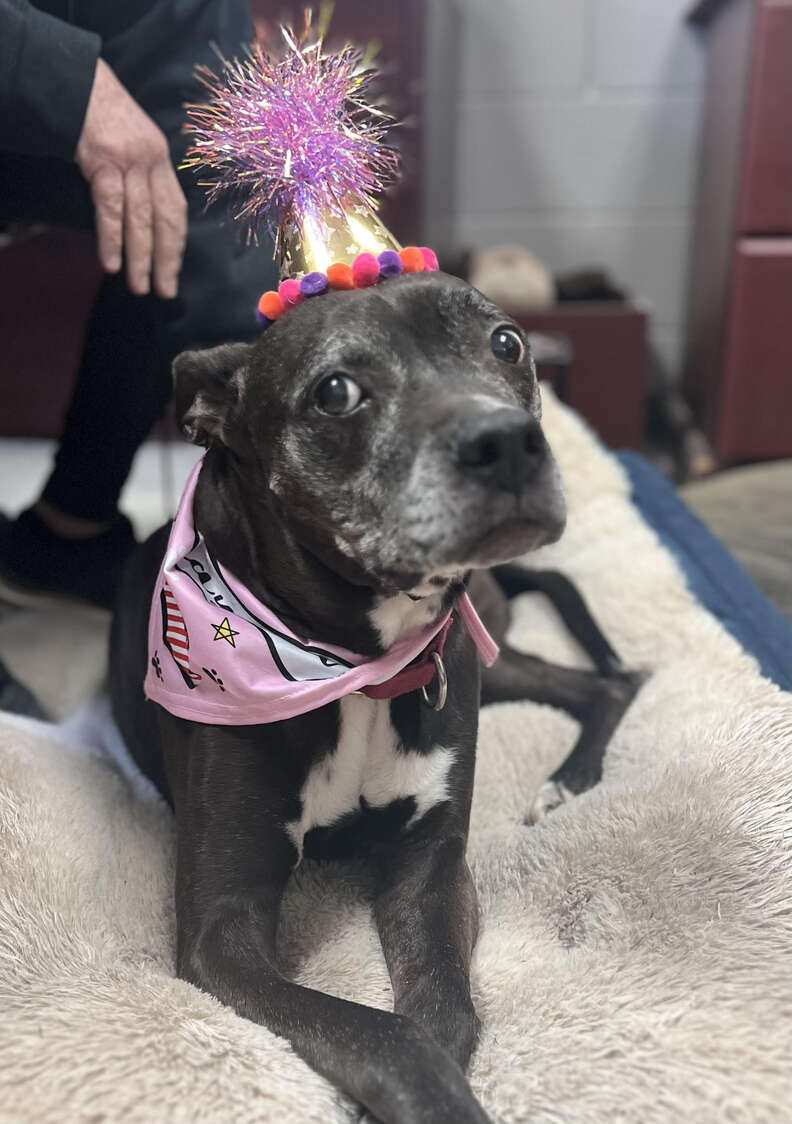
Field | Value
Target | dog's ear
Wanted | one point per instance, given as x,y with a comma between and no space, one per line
207,388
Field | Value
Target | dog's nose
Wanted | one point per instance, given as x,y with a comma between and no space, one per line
502,449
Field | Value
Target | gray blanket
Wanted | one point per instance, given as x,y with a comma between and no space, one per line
635,959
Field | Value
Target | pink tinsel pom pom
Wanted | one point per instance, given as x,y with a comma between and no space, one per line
430,258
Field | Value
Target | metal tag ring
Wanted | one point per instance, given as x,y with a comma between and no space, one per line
442,685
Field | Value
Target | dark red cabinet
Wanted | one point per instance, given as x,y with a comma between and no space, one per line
756,393
765,204
738,365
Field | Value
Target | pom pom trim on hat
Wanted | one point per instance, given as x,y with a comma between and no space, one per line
365,270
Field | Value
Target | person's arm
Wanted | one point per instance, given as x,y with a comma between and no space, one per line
59,98
46,74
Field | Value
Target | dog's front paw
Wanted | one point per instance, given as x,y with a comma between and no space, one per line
550,796
425,1087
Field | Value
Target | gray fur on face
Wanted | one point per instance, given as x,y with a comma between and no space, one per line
382,486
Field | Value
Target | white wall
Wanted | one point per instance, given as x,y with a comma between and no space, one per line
577,127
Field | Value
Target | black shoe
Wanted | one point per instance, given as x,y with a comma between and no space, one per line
37,564
17,699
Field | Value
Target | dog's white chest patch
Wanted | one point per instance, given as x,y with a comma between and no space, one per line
369,767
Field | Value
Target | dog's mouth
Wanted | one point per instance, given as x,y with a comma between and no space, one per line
501,542
506,530
510,539
457,523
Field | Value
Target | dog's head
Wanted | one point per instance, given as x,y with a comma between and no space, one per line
397,428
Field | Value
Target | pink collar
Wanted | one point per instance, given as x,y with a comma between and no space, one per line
218,655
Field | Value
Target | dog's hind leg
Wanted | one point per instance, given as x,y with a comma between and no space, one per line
515,676
597,702
582,769
569,605
597,699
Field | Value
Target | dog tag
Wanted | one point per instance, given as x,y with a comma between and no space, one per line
442,685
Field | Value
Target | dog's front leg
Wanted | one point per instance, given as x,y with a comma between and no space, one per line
233,860
382,1060
427,918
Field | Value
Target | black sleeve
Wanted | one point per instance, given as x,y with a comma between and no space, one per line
46,73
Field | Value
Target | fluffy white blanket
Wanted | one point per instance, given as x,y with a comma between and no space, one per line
635,960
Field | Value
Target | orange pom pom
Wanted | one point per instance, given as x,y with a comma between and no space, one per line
271,305
340,276
412,259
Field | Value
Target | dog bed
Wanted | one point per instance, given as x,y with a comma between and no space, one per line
635,957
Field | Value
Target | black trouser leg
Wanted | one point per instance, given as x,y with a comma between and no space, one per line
123,383
122,388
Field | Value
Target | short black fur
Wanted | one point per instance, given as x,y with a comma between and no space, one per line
340,524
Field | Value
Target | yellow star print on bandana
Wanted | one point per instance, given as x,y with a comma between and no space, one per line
224,631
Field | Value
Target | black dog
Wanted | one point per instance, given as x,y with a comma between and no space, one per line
369,452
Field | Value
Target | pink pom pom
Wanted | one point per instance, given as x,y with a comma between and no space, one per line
290,293
430,258
365,270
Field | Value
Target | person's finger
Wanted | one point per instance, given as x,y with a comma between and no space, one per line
138,233
170,228
107,191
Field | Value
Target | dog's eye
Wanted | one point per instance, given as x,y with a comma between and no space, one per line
337,394
507,345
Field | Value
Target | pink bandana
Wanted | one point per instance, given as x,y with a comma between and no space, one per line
218,655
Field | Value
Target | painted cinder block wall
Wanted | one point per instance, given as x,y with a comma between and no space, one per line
576,130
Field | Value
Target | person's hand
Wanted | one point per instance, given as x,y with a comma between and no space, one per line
138,201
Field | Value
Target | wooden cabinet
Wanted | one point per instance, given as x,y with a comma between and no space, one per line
605,382
756,389
765,203
738,365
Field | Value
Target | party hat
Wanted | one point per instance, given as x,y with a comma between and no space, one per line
291,140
